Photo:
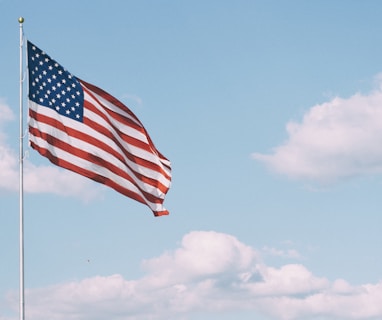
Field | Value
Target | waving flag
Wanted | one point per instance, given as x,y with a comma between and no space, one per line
82,128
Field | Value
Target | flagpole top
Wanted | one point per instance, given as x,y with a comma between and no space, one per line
21,20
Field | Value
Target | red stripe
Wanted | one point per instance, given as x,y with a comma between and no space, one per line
125,120
89,174
100,144
89,88
109,98
56,143
128,139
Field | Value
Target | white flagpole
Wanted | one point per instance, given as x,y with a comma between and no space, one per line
21,186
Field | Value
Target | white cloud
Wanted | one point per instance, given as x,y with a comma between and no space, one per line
6,113
8,159
37,179
203,254
208,274
289,253
133,97
334,140
51,179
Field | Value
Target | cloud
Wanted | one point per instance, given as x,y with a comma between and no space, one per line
209,274
289,253
50,179
202,254
37,179
338,139
6,113
133,97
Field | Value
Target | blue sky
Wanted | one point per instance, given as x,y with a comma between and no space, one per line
271,114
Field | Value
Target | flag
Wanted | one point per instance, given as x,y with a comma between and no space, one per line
82,128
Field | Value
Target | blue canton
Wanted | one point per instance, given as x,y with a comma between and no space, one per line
52,86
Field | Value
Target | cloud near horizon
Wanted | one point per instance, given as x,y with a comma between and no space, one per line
37,179
334,140
208,273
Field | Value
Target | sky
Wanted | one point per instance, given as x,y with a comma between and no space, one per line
271,115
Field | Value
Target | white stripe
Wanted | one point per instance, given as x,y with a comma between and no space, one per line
102,103
95,169
135,151
93,149
144,154
113,107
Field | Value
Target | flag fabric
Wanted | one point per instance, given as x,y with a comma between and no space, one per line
82,128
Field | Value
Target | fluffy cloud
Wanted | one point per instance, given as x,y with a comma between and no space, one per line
334,140
202,254
210,273
37,179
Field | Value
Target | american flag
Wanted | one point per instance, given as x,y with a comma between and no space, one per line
82,128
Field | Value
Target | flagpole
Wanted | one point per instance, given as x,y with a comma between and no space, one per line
21,185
